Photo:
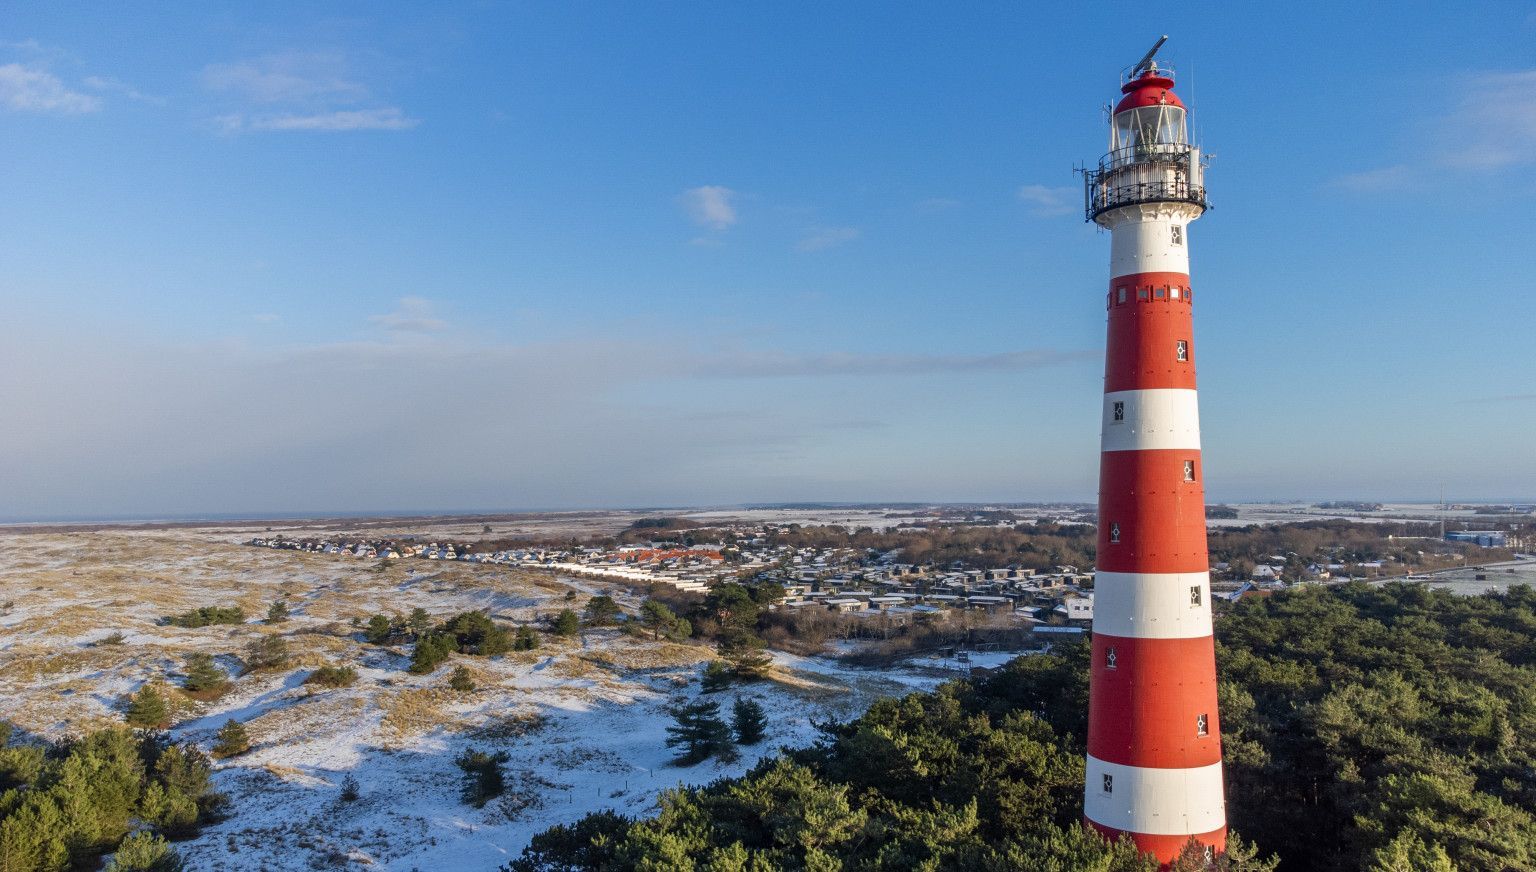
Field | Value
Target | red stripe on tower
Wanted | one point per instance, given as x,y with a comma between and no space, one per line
1154,736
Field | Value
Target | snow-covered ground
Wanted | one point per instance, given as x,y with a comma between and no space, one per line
582,721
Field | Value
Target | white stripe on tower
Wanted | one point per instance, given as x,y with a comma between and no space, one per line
1154,736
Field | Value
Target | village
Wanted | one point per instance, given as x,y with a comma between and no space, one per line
851,583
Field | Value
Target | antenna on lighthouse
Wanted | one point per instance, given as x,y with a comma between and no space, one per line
1146,59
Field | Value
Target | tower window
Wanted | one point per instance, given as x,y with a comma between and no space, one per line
1183,351
1202,725
1174,293
1178,234
1109,783
1194,595
1189,470
1119,413
1161,293
1141,294
1109,658
1120,295
1114,531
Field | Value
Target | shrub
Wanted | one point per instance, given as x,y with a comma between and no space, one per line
461,680
114,638
208,616
349,789
333,676
277,612
566,623
484,780
233,740
148,709
145,852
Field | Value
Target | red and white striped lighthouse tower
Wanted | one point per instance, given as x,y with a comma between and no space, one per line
1154,742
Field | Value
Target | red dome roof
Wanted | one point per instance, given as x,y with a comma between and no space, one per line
1148,89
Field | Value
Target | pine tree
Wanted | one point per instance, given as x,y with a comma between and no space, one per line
419,622
484,780
745,653
431,651
461,680
278,612
717,676
32,836
566,623
233,740
601,611
267,652
148,709
661,621
526,639
700,733
145,852
204,677
749,721
378,629
350,790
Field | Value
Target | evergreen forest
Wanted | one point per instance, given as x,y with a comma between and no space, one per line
1366,728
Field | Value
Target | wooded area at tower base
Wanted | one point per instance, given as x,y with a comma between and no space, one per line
1379,728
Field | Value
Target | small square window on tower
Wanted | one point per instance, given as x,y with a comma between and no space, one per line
1109,783
1189,470
1182,351
1202,725
1120,296
1114,531
1119,411
1141,293
1194,595
1109,658
1178,234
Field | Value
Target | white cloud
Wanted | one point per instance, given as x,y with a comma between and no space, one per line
107,83
827,237
1490,126
1382,179
412,315
710,206
383,118
294,77
1494,126
33,89
299,92
1049,202
937,204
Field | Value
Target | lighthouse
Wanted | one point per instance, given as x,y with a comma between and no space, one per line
1154,737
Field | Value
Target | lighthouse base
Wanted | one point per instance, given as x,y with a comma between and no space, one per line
1165,848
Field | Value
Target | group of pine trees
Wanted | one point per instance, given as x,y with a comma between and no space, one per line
63,805
701,733
1388,729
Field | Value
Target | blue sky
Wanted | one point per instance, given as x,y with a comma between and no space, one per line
327,257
